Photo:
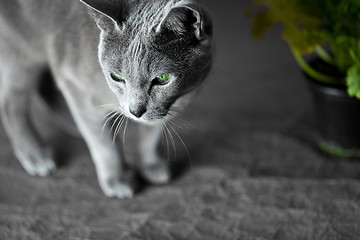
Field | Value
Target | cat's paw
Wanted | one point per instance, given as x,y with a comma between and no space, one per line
38,162
156,173
119,188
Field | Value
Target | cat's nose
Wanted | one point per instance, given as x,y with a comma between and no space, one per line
137,111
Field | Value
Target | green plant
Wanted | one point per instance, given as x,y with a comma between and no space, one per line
308,26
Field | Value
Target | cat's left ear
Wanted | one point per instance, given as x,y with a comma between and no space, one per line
107,14
185,19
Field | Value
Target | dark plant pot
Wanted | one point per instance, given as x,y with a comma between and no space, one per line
338,120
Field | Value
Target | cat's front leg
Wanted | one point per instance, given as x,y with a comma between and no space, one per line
113,180
151,166
34,154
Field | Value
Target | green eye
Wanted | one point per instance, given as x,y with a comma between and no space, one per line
117,77
163,79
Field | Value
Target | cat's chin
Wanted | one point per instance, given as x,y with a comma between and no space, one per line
145,121
142,119
150,121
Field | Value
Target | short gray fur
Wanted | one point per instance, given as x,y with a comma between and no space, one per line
82,43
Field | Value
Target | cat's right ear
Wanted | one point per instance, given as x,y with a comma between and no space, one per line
108,14
185,20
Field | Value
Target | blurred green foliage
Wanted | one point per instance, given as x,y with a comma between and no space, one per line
308,25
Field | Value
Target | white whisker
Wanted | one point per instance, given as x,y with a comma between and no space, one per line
166,138
104,106
183,143
176,124
109,117
108,114
112,127
171,139
221,67
162,134
118,127
124,136
101,107
118,123
176,110
189,125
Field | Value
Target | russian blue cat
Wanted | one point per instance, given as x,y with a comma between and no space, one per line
136,59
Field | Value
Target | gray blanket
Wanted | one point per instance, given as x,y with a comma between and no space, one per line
253,169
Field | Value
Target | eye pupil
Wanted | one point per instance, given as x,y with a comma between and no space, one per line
116,77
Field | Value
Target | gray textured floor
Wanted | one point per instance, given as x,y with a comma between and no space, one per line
255,171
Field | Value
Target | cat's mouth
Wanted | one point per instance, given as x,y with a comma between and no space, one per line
153,114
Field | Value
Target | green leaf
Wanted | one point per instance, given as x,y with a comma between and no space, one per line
353,56
302,41
338,151
298,24
341,47
260,23
313,72
353,81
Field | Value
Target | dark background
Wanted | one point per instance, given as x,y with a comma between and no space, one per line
254,171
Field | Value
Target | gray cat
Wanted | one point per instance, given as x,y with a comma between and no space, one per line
139,58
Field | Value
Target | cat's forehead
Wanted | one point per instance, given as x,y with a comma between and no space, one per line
144,13
137,57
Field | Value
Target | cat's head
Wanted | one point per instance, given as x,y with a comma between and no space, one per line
152,53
